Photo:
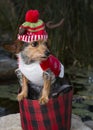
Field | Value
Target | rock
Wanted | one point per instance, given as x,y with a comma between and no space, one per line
89,123
7,66
12,122
77,124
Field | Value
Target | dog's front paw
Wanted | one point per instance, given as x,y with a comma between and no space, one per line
43,100
21,96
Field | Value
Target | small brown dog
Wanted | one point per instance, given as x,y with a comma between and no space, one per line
32,57
35,62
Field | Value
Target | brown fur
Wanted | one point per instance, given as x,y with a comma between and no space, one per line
33,53
14,47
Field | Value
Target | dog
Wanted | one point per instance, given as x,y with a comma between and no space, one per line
35,62
31,58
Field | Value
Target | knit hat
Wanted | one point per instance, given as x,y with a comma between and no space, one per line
33,28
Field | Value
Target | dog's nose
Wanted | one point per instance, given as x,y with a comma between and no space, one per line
47,52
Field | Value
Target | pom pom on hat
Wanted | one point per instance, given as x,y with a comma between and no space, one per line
32,16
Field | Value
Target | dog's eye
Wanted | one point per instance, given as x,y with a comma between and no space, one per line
34,44
45,43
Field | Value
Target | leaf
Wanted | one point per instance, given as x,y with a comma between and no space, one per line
9,91
82,113
79,105
88,102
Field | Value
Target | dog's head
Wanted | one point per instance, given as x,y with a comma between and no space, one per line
33,51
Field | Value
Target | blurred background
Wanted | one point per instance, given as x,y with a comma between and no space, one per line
72,43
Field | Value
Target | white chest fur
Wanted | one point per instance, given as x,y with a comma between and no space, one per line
32,72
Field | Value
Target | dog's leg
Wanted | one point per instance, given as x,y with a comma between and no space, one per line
24,91
46,89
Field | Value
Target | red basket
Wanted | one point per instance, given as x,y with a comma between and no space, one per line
55,115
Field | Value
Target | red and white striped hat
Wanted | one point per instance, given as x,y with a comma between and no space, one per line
33,28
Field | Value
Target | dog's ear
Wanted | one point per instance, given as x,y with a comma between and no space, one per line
14,47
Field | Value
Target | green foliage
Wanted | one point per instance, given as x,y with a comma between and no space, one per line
82,82
83,113
8,16
9,91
